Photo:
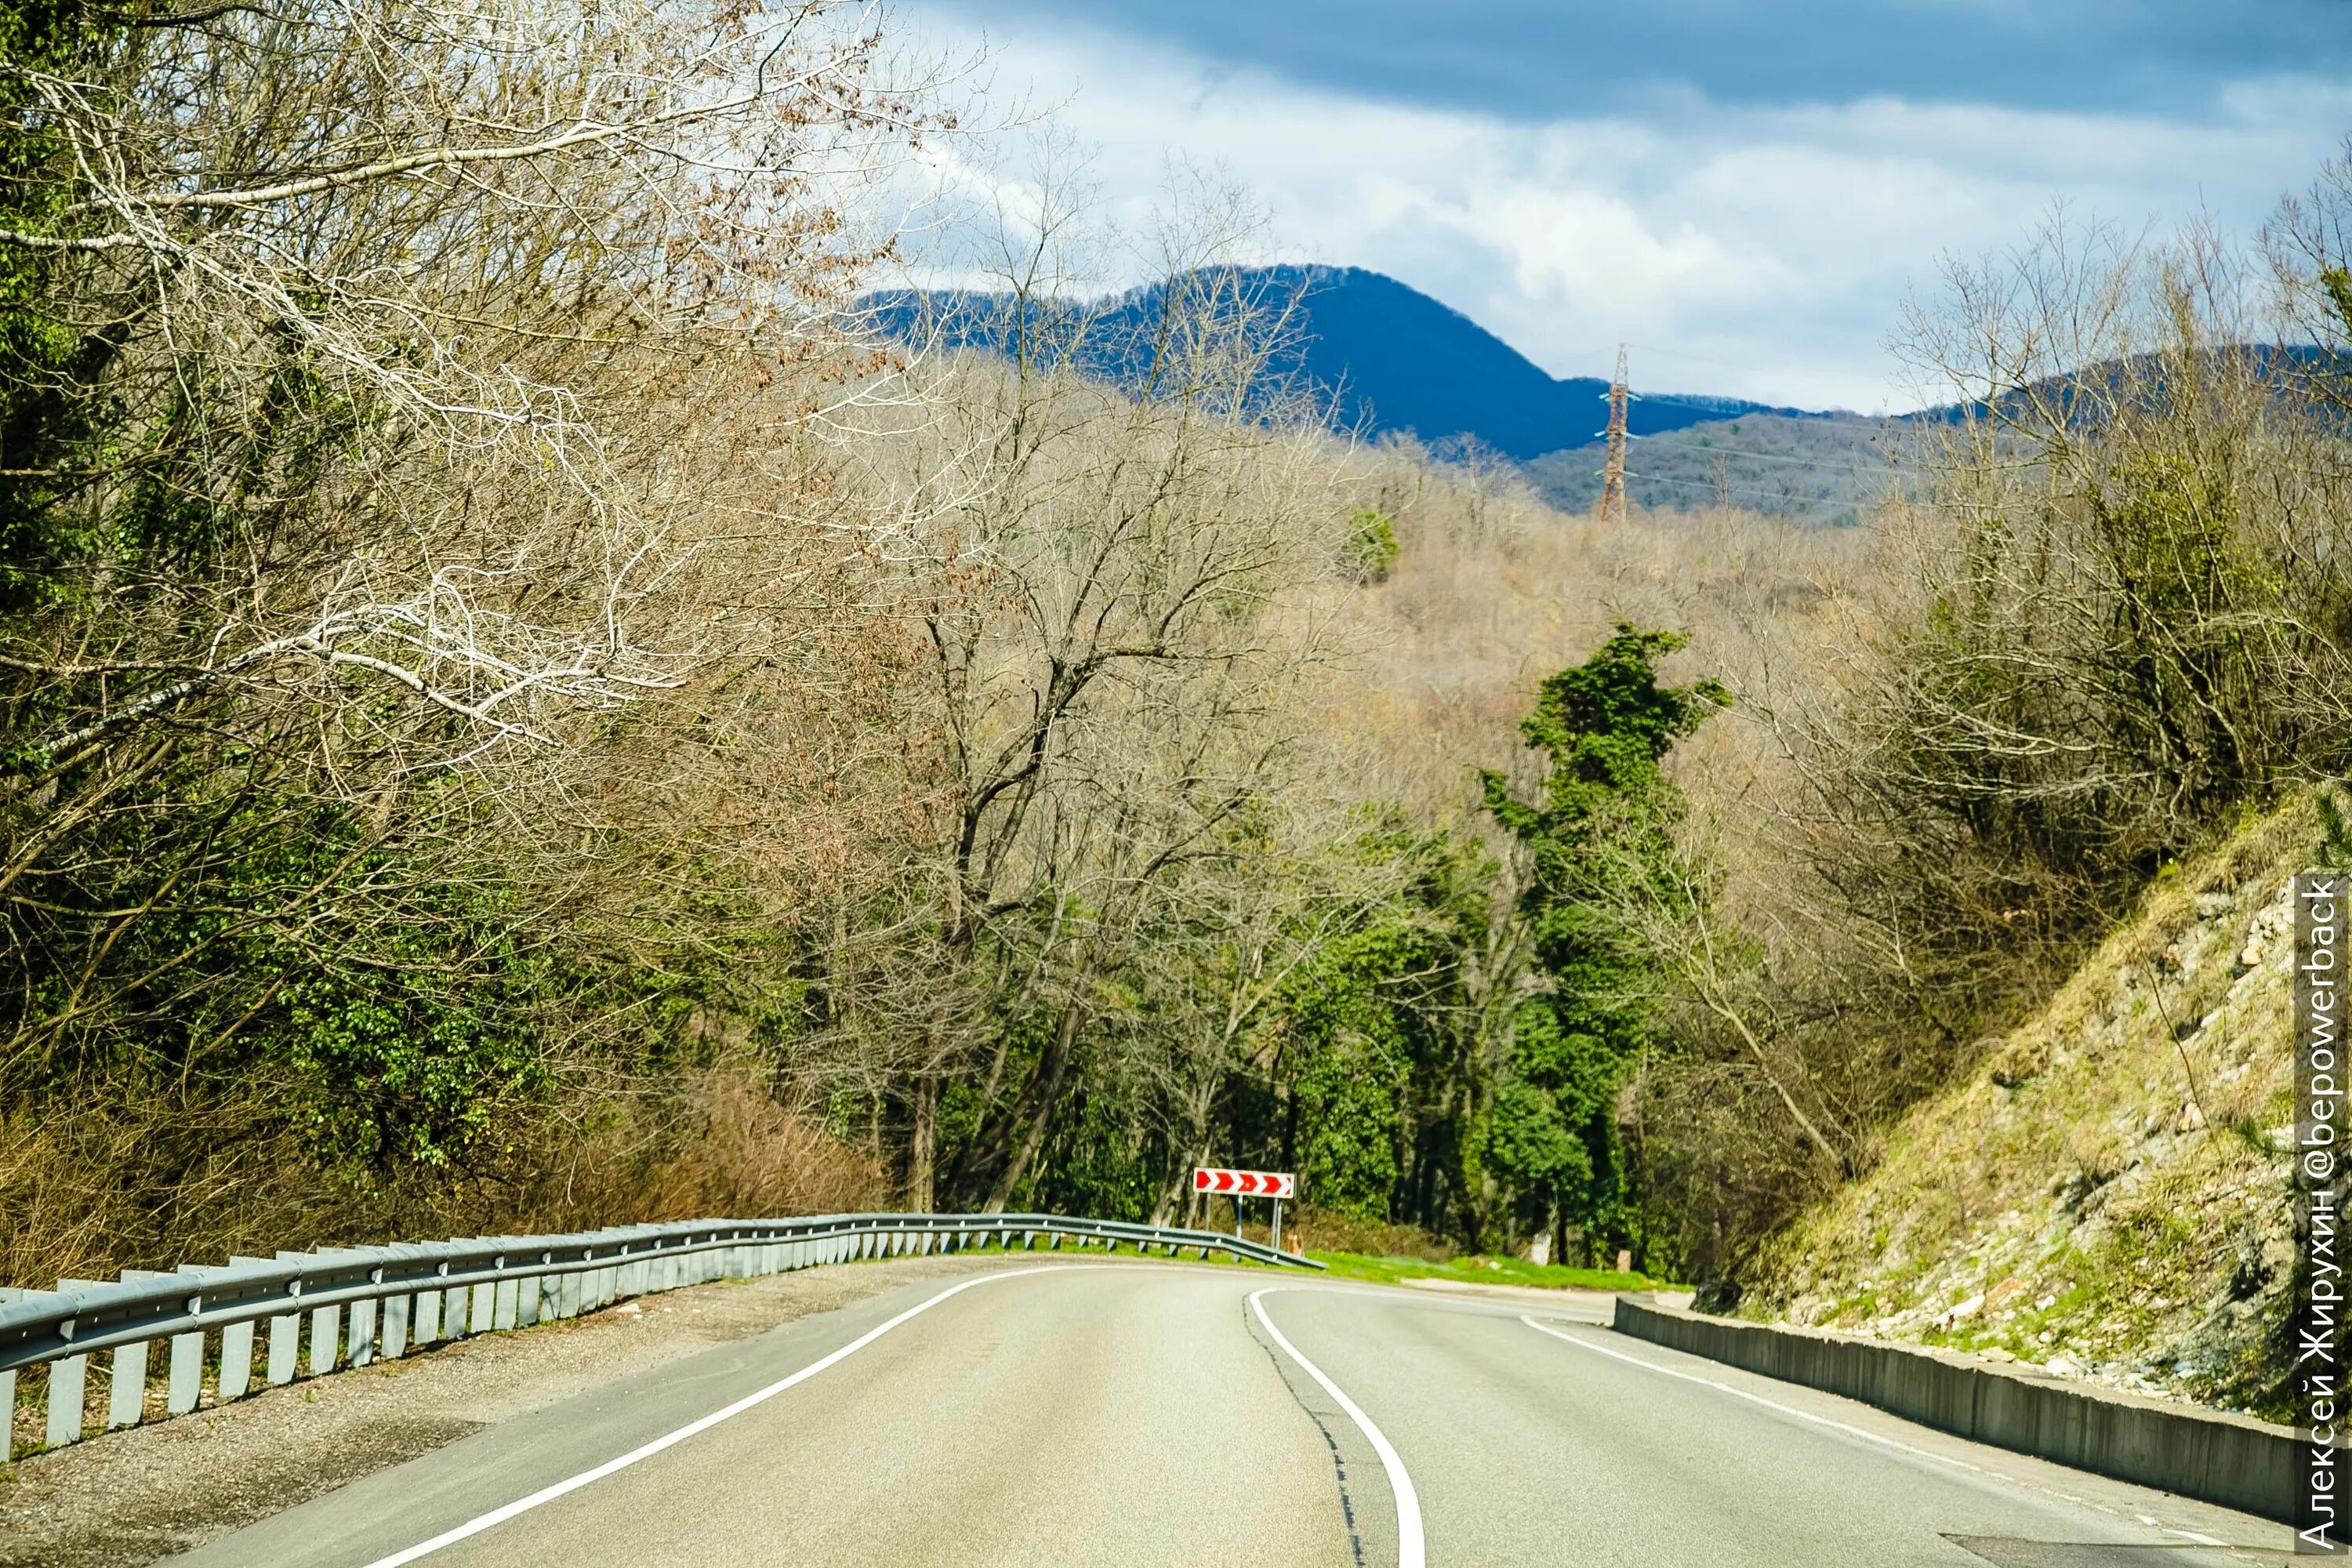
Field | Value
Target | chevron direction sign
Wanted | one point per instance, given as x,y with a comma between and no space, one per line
1245,1184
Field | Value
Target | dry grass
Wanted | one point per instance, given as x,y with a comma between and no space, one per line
83,1195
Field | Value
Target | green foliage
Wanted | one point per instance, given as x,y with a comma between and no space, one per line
1601,833
392,1009
47,364
1100,1162
2335,828
1371,1051
1372,546
1349,1097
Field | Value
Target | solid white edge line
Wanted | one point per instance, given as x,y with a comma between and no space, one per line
1855,1431
1410,1552
573,1483
1846,1428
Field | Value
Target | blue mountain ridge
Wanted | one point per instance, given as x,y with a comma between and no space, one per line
1391,358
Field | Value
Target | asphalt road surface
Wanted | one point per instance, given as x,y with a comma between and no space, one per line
1147,1413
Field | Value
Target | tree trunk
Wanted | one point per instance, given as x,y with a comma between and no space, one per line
1035,1109
922,1148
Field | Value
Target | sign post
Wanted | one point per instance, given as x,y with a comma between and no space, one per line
1240,1184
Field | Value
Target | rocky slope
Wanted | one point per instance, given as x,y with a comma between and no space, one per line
2107,1196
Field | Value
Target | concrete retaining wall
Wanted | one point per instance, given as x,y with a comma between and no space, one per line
2232,1460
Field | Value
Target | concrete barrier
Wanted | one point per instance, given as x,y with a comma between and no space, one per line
2234,1461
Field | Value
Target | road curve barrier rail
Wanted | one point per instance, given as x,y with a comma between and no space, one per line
367,1303
2232,1461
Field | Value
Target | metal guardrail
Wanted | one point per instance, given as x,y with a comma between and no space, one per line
366,1302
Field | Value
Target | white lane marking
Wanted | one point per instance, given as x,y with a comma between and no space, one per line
1410,1553
573,1483
1853,1430
1753,1398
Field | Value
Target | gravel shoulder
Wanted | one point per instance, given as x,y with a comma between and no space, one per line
128,1498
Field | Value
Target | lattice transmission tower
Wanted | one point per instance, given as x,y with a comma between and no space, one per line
1612,507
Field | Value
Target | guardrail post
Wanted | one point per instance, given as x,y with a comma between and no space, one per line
187,1385
428,1316
237,1361
483,1304
284,1334
453,1311
502,1304
361,1342
395,1326
324,1321
126,1399
68,1377
527,1301
128,1395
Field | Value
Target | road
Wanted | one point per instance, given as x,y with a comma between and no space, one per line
1145,1414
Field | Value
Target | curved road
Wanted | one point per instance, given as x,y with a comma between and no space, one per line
1146,1413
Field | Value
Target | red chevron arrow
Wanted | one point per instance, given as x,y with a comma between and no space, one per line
1245,1184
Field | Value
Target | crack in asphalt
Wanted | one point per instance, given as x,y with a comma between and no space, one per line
1282,1369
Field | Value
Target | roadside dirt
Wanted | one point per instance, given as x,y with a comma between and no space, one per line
128,1498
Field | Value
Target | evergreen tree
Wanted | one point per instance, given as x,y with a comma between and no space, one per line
1600,830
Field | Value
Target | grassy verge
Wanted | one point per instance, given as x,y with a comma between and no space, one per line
1483,1271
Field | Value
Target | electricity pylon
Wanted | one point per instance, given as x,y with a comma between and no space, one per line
1612,477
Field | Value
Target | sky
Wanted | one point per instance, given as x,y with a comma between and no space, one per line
1747,193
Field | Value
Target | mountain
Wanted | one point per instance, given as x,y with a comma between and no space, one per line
1394,358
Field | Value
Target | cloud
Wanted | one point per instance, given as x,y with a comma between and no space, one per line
1540,60
1759,249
